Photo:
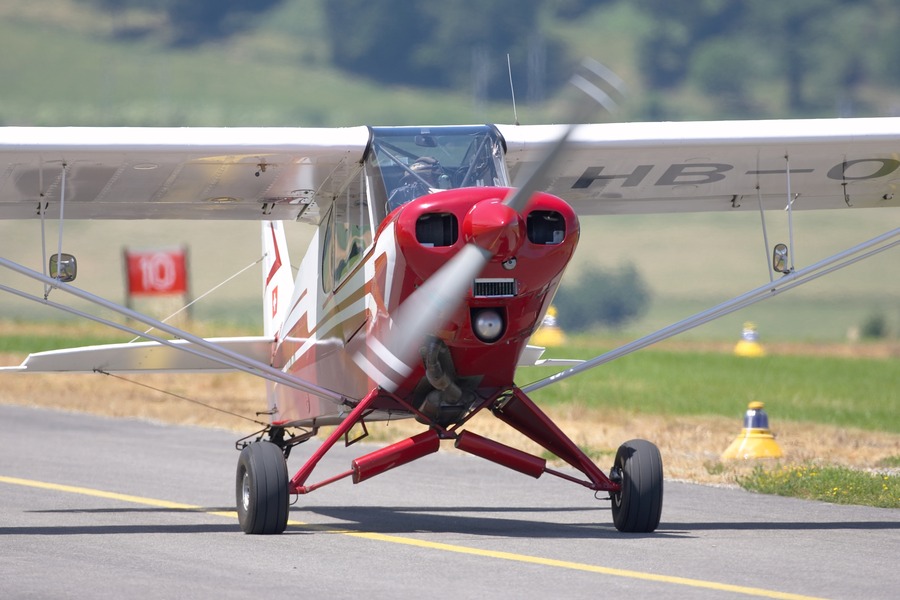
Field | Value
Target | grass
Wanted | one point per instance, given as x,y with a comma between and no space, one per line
859,392
680,382
18,337
891,462
19,344
838,485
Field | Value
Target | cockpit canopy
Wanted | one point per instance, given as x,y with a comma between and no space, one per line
401,164
404,163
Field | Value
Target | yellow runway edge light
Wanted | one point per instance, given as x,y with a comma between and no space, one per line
755,439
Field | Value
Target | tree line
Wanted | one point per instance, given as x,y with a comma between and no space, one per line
819,56
824,54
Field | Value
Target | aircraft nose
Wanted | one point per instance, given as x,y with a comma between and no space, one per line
495,227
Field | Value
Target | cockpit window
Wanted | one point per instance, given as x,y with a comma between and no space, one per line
405,163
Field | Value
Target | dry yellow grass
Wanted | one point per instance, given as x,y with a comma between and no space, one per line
690,445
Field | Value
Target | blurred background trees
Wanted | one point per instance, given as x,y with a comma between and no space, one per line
693,59
607,297
456,45
822,51
193,22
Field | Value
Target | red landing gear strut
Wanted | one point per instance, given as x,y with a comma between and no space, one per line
634,484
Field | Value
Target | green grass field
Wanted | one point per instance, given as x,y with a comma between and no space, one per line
828,484
858,392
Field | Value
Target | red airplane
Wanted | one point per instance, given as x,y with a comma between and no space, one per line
438,251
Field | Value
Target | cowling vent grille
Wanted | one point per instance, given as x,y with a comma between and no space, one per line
495,288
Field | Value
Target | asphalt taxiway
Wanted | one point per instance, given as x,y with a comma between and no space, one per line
102,508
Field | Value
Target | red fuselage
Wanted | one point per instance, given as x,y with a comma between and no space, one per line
530,252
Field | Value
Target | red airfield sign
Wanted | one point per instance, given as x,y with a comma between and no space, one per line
159,272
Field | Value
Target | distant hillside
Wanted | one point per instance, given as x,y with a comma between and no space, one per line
76,65
67,62
62,67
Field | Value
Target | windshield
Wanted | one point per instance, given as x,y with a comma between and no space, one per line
405,163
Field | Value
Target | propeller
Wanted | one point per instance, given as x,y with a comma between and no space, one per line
497,232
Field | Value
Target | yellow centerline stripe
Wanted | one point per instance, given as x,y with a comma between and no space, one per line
98,493
406,541
563,564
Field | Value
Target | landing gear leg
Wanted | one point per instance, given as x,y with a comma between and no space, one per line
262,489
637,506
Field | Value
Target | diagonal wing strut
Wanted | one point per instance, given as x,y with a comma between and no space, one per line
824,267
198,346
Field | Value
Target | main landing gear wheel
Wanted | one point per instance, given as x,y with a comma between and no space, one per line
262,489
636,508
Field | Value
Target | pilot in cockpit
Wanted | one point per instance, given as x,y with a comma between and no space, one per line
424,174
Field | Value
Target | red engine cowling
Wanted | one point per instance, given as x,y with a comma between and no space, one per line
510,296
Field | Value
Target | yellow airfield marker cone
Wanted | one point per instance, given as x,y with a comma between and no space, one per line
549,333
755,439
749,343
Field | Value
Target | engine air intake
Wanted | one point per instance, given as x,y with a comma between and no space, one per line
437,229
546,227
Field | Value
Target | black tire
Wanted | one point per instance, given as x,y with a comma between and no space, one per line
262,489
638,506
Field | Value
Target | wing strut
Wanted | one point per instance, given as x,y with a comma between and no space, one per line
795,278
204,348
765,232
790,210
42,210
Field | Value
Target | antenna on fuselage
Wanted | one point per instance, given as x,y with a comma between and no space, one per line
512,89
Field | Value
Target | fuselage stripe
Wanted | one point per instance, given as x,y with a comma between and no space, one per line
388,357
373,372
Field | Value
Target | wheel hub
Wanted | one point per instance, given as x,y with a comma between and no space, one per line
615,475
245,491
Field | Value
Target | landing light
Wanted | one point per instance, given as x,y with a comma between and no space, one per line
487,324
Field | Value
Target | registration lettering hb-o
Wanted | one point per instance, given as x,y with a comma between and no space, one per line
676,174
592,174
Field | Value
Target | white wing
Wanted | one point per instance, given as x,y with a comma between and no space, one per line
281,173
628,168
175,173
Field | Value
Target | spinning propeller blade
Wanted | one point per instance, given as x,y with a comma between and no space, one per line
601,85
